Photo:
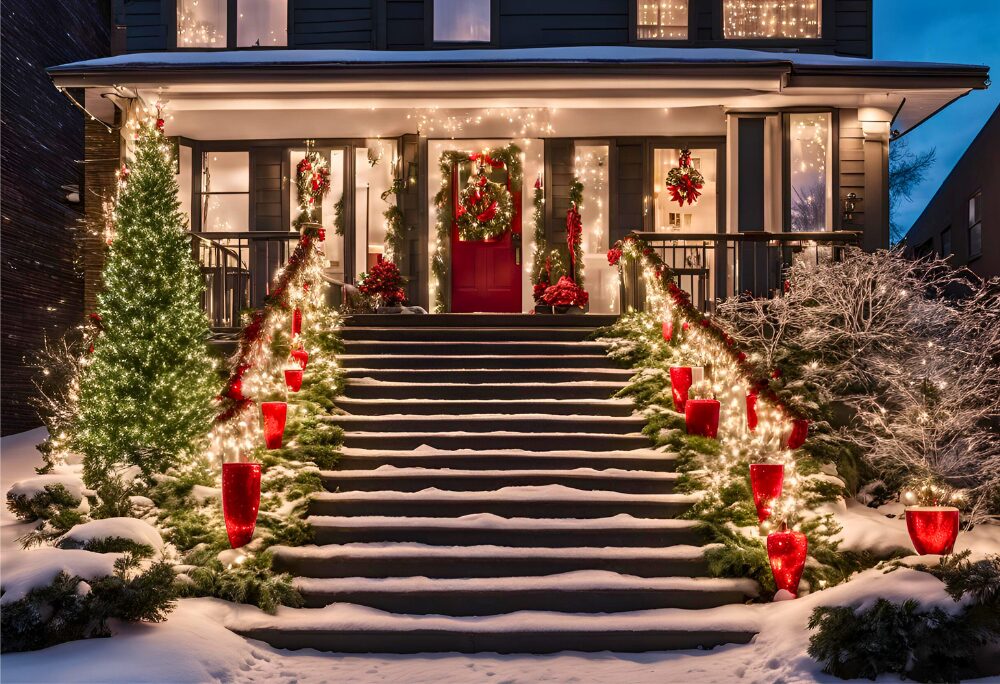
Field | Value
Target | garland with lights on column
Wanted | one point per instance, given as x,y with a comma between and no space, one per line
546,263
509,158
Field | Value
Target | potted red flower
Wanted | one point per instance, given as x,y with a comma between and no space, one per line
384,284
566,297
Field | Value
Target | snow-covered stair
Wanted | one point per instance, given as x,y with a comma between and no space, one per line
493,496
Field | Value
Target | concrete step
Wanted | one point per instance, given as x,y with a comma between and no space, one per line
552,501
486,529
420,560
526,423
457,348
467,361
518,459
388,478
450,334
374,389
491,375
584,591
529,441
555,407
592,321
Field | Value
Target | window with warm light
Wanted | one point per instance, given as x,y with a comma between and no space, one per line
976,225
661,19
225,191
261,23
201,23
462,21
809,165
772,18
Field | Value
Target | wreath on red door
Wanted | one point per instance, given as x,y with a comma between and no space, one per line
485,207
685,182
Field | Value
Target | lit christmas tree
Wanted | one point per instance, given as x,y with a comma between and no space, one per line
147,388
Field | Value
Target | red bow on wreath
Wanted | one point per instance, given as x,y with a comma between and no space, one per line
685,182
485,159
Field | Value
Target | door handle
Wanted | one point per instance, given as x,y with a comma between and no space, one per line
515,241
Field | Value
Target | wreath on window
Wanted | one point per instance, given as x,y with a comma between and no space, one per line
485,207
685,182
312,183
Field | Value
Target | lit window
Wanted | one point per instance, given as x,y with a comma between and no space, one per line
462,21
201,23
225,191
771,18
662,19
262,23
809,165
976,225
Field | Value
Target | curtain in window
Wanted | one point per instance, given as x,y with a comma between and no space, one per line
662,19
201,23
771,18
462,21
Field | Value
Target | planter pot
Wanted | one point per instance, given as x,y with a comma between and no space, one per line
797,437
766,480
933,529
701,417
571,310
240,500
786,550
681,379
293,379
389,310
543,309
274,413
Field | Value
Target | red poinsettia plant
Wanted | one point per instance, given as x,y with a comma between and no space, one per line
383,282
565,293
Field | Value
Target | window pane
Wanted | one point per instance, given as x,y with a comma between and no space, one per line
809,157
462,21
229,213
261,23
668,215
946,243
591,167
976,240
201,23
974,208
772,18
226,172
662,19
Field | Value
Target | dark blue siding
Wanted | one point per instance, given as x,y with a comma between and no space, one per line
344,24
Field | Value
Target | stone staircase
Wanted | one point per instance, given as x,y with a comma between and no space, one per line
493,497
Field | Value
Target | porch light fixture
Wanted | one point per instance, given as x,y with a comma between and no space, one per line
850,205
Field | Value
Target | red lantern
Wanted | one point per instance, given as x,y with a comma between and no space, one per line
681,379
701,417
296,322
240,500
787,552
797,437
933,529
293,379
752,410
274,413
301,357
766,480
668,330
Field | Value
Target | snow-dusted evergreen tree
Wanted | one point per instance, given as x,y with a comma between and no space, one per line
146,390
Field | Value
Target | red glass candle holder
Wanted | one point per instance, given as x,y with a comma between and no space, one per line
240,500
681,378
766,480
701,417
797,437
786,550
293,379
752,411
668,330
296,322
933,529
274,413
301,357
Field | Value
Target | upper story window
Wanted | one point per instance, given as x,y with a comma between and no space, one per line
462,21
661,19
946,243
810,161
771,18
976,225
259,23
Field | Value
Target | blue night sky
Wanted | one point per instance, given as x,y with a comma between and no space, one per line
959,32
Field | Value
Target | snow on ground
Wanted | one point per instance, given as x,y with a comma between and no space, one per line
139,531
194,644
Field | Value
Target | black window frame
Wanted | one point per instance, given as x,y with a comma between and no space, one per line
432,44
232,30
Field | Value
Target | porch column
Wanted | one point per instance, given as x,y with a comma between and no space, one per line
875,125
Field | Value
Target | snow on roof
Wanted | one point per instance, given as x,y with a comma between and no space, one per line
550,55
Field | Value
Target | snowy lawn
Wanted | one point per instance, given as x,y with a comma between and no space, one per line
194,644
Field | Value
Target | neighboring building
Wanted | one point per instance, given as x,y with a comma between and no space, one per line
962,221
42,151
786,115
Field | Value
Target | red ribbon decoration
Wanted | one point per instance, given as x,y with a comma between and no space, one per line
574,229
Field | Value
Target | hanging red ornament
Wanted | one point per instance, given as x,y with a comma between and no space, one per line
296,322
684,183
766,480
787,552
668,330
240,500
933,529
798,434
274,413
686,326
301,357
701,417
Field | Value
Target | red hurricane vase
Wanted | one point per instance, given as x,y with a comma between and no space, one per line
752,411
766,480
240,500
933,529
681,378
701,417
293,379
797,437
787,552
274,413
668,331
296,322
301,357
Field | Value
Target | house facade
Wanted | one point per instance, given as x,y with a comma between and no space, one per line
962,221
777,105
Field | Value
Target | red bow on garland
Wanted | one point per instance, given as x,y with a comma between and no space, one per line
574,230
486,159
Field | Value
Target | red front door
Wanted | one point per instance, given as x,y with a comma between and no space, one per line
486,276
